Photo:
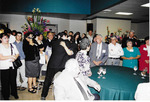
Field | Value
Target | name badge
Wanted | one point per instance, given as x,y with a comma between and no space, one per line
104,51
145,49
131,50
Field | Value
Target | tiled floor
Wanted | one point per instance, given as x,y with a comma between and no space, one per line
25,95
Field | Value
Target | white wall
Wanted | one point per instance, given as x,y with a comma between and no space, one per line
78,25
141,29
113,24
16,21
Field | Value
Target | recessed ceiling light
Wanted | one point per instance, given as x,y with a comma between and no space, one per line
123,13
146,5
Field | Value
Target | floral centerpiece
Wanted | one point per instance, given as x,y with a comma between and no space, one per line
36,23
119,31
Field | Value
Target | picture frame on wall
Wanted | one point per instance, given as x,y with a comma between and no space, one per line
52,27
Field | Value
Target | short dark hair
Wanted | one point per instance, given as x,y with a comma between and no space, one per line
18,33
84,43
71,32
129,40
27,34
146,38
61,34
3,34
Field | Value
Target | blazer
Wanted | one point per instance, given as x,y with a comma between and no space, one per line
65,87
59,55
104,54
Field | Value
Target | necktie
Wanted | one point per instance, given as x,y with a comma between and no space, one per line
81,89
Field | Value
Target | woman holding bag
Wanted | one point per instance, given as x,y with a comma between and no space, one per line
8,55
32,65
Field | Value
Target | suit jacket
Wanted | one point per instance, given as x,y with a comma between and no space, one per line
59,55
104,54
65,88
136,43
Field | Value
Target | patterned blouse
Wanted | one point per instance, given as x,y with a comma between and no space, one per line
84,62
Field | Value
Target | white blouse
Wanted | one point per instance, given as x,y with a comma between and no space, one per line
5,64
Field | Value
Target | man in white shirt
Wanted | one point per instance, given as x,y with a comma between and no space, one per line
115,51
90,36
71,85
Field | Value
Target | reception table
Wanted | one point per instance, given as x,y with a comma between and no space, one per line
120,83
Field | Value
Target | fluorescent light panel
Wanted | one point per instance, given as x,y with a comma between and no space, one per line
107,10
123,13
146,5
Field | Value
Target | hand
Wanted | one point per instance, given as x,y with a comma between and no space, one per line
42,49
13,57
99,62
96,63
147,61
62,43
130,58
97,87
90,74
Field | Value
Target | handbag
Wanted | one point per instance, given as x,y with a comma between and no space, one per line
17,63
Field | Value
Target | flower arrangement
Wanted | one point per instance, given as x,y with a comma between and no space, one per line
36,23
119,30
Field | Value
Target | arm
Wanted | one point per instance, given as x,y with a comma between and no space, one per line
91,53
68,51
6,57
93,84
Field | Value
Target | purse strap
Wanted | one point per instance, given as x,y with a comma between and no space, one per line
11,49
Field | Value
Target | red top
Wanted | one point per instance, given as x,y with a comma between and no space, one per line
144,53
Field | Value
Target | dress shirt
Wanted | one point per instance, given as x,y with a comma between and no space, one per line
90,37
20,49
148,50
115,51
99,49
12,39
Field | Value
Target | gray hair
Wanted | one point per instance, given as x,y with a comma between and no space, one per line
132,31
99,35
84,43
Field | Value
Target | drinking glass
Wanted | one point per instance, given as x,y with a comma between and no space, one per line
104,72
99,72
135,69
143,73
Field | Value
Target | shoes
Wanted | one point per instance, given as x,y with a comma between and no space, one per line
31,90
34,87
18,87
15,96
43,98
22,88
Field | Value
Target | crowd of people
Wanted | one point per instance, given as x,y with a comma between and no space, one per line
80,51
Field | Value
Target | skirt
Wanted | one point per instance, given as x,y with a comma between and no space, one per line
32,68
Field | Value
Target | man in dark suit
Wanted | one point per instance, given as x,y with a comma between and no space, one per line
60,53
48,42
136,42
99,52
